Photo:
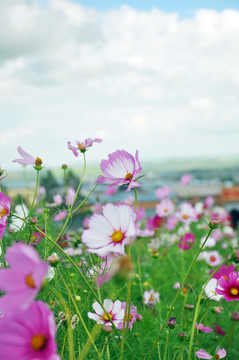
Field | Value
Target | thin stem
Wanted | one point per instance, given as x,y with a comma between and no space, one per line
83,201
166,346
78,312
178,293
35,194
66,188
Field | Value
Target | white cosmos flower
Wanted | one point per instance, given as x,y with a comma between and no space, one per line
22,212
210,291
114,312
211,242
110,232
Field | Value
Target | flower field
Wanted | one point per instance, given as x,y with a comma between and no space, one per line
123,285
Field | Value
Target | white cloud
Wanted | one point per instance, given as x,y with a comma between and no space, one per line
139,79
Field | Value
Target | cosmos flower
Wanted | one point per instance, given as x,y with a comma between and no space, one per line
151,297
213,258
185,179
223,271
110,232
82,146
134,316
5,203
21,211
29,334
23,279
187,241
229,287
202,328
210,290
203,354
60,216
163,192
187,213
114,312
165,207
28,159
121,168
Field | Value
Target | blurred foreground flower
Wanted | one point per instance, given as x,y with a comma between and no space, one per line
5,203
29,334
203,354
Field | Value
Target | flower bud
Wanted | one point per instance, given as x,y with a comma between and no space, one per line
64,166
53,259
33,220
182,336
171,323
235,316
38,163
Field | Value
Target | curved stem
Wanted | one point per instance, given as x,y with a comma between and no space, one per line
177,295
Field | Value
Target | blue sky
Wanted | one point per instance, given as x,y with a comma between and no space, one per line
184,8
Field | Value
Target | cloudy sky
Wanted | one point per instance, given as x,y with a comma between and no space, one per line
147,75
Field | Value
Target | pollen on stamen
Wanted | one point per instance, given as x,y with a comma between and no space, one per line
108,316
128,177
38,342
234,291
30,281
3,212
38,161
117,236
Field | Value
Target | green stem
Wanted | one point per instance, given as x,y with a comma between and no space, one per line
78,313
178,293
35,194
166,346
82,203
197,310
66,189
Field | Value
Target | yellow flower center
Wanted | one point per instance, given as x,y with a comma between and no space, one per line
212,258
165,210
108,316
38,342
151,298
80,146
234,291
185,290
130,317
38,161
217,356
3,212
128,177
117,236
185,216
30,282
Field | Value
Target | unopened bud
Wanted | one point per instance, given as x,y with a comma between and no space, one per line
107,328
235,316
64,166
171,323
53,259
38,163
182,336
33,220
189,307
214,223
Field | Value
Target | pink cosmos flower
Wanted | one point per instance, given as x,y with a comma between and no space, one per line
29,334
171,222
202,328
187,241
134,316
229,287
154,223
111,231
151,297
163,192
208,202
27,159
110,190
71,196
165,207
36,238
82,146
5,203
23,279
121,168
60,216
213,258
185,179
187,213
203,354
223,271
114,312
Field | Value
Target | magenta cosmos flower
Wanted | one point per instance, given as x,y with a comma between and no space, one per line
28,159
114,312
229,287
223,271
23,279
202,328
29,334
5,203
82,146
203,354
134,316
121,168
110,232
187,241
